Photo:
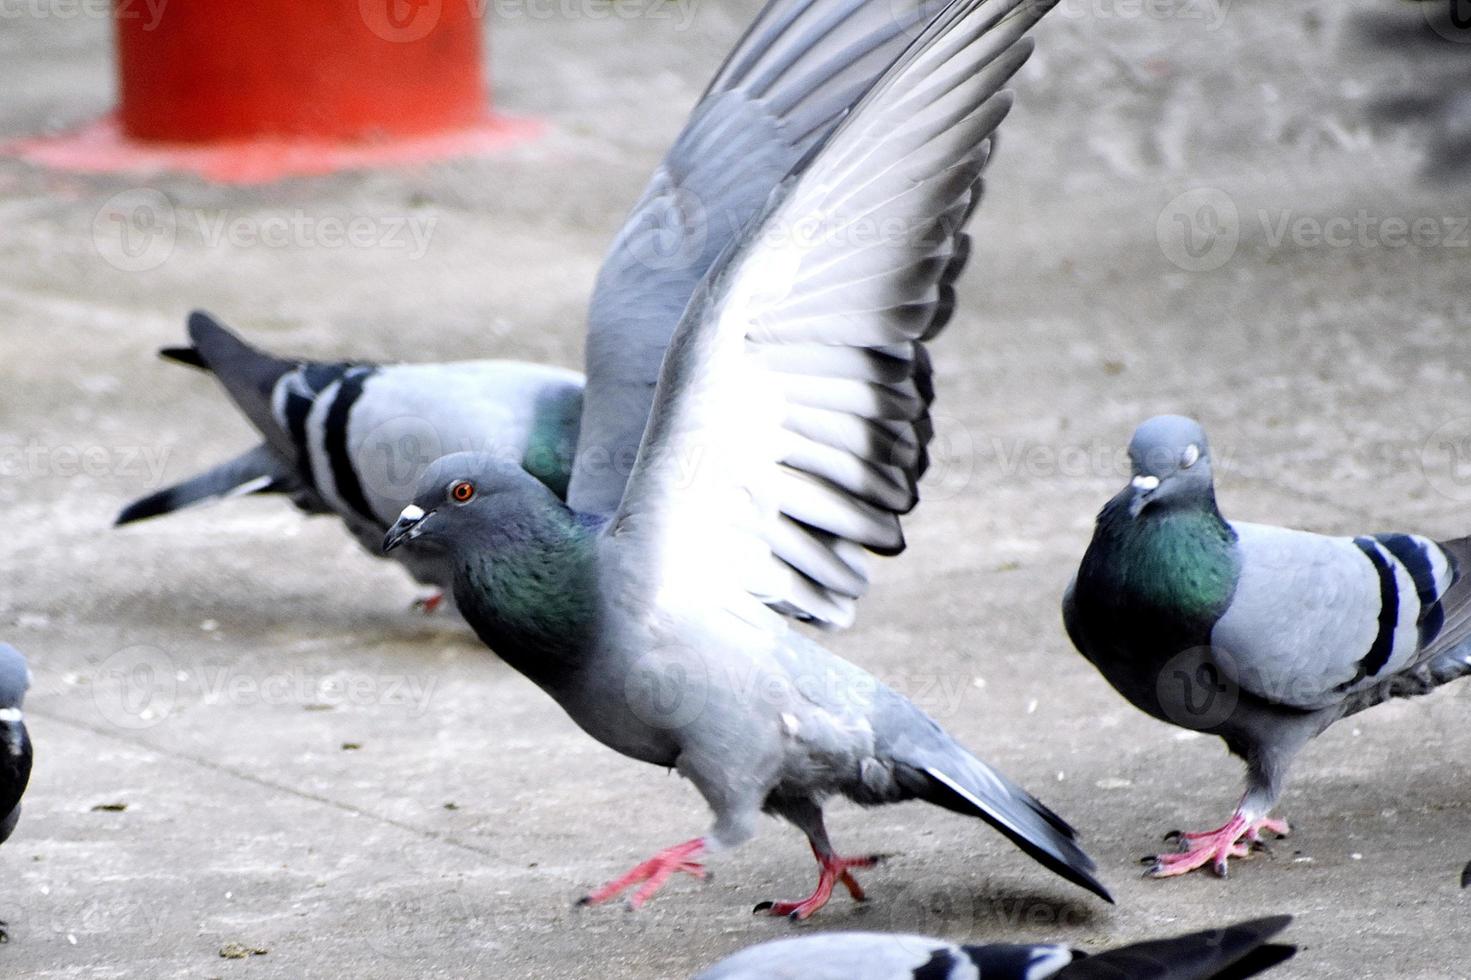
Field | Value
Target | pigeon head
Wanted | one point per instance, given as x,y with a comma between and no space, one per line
15,677
1171,461
468,497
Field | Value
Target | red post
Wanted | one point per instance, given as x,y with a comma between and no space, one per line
245,91
210,70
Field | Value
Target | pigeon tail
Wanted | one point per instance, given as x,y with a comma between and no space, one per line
1232,953
187,356
260,470
1448,657
249,375
966,785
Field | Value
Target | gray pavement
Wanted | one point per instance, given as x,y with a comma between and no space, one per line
244,737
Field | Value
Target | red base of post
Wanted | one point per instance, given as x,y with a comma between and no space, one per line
250,92
102,148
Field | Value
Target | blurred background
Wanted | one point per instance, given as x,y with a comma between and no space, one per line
246,743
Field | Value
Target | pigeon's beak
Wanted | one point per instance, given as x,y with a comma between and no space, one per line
1144,487
410,525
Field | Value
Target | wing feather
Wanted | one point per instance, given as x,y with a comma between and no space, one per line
791,78
792,411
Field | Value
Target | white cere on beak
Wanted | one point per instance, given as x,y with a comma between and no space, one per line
413,512
1146,483
1190,456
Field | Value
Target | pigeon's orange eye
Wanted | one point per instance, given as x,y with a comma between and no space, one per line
462,491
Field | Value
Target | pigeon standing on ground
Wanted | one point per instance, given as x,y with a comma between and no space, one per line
1235,952
1262,635
353,439
781,90
785,436
15,741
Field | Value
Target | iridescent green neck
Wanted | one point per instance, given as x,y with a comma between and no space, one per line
532,596
1177,560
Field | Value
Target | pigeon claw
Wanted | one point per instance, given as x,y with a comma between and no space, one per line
832,870
1238,838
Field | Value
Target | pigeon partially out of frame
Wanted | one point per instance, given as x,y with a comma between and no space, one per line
1262,635
1233,953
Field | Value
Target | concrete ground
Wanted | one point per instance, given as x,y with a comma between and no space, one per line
244,737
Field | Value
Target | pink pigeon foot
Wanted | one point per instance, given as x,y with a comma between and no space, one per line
653,873
1215,847
831,871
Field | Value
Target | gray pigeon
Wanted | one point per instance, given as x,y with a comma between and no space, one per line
352,439
1262,635
769,465
15,741
785,85
1235,952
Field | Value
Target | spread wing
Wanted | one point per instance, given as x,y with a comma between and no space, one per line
788,428
799,67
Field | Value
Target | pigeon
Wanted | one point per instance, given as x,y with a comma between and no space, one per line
1235,952
352,439
784,86
1262,635
780,446
15,742
1430,40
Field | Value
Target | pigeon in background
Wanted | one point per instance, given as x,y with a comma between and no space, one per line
1235,952
1262,635
352,439
1431,40
773,458
15,742
781,90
